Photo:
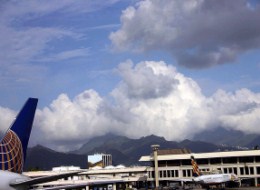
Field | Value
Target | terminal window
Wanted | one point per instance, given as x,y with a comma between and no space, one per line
258,170
186,162
162,163
246,170
173,163
242,171
184,173
176,173
173,173
215,161
246,159
251,170
230,160
225,170
203,161
257,158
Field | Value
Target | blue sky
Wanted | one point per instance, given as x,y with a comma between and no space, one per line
56,61
67,53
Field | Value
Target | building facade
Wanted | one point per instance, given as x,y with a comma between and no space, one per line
126,177
166,167
99,160
174,165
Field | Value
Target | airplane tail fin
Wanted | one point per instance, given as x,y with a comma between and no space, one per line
13,146
195,167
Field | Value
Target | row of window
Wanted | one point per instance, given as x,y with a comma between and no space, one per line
227,160
165,173
188,172
243,170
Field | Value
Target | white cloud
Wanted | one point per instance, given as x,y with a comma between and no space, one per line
146,80
7,116
199,33
13,11
152,98
67,121
246,121
19,47
65,55
22,44
155,99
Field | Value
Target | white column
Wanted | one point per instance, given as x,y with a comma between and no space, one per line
156,172
114,186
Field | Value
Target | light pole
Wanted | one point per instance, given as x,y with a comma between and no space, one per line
156,173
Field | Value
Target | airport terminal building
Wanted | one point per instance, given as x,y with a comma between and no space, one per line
166,167
112,177
176,164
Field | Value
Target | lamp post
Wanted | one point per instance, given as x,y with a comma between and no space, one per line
156,172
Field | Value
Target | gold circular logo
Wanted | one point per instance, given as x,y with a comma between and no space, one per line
11,153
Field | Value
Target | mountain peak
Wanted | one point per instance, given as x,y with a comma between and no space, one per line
153,138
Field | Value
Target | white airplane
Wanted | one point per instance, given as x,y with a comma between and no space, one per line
207,181
13,147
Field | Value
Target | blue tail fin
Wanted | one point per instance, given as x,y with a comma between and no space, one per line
13,146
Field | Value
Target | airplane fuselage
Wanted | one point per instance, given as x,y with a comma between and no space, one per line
8,177
216,178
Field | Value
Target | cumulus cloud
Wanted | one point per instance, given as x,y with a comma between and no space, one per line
152,98
5,122
68,122
198,33
153,79
164,110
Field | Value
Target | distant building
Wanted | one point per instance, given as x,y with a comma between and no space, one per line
127,177
61,169
165,165
99,160
65,168
170,165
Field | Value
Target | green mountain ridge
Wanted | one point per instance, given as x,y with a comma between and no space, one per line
228,137
124,151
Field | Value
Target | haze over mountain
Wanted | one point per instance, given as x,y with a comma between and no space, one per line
172,68
124,151
42,158
228,137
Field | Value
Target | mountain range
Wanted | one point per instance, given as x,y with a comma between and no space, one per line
228,137
43,158
128,151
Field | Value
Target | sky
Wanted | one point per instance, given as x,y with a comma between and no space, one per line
172,68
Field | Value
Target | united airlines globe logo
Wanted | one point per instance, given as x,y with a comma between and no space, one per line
11,153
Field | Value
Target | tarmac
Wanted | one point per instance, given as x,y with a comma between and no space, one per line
235,188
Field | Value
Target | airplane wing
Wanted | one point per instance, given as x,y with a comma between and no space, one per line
32,181
83,185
